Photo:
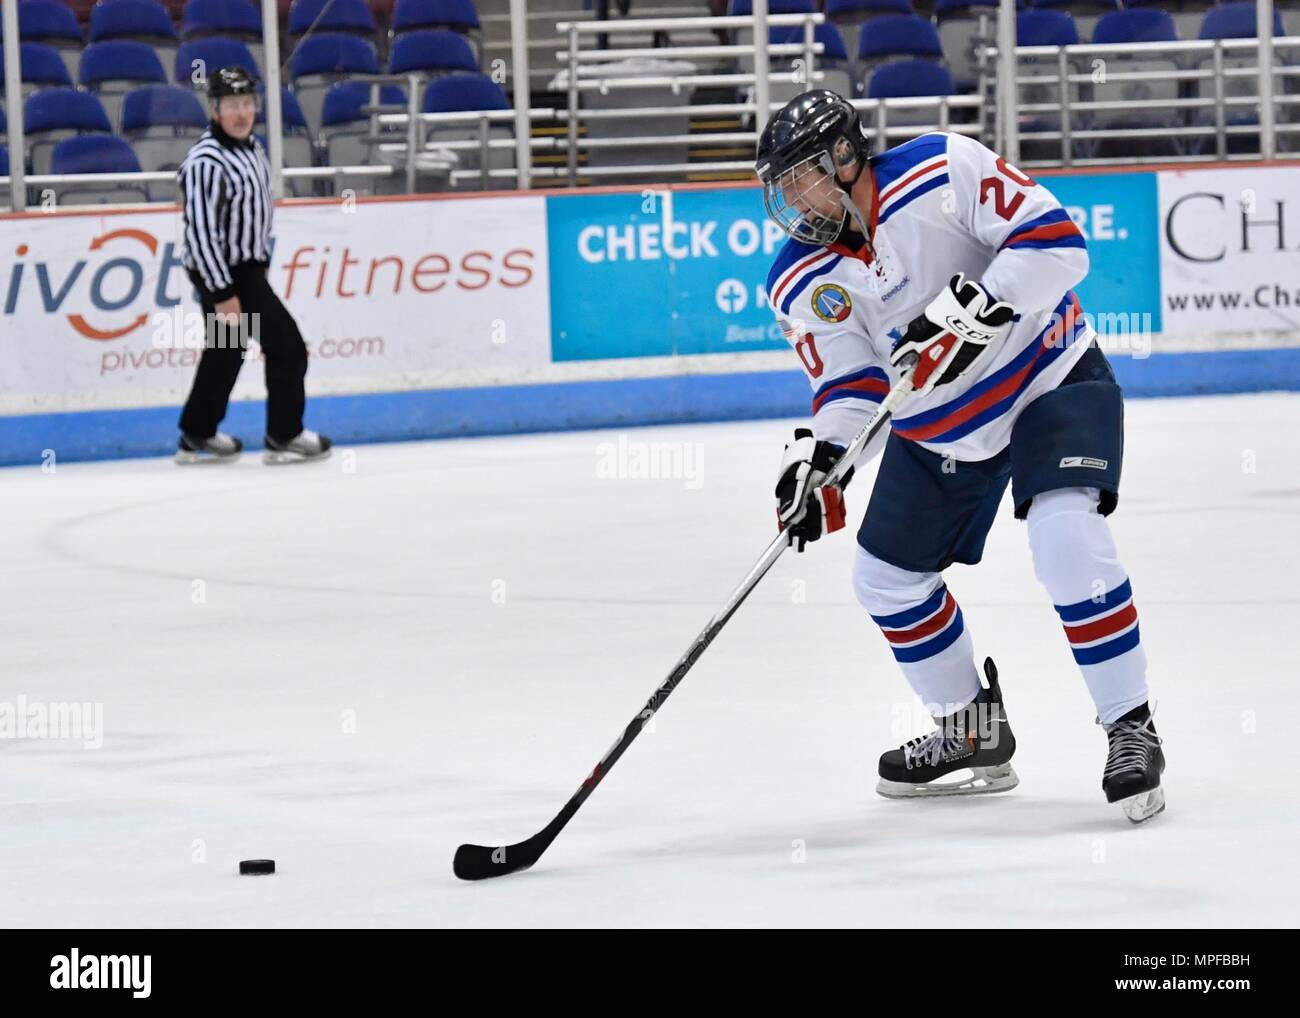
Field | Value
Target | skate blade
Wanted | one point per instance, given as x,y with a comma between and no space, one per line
983,780
1143,806
274,458
186,459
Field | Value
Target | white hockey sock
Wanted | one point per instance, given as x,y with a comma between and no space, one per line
1076,560
925,630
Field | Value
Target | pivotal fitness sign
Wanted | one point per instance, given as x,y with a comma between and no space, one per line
98,311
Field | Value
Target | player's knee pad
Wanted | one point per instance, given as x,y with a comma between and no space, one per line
1071,542
883,589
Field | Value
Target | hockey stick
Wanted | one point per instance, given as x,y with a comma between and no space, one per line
478,862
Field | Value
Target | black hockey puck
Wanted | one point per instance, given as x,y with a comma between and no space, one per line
256,867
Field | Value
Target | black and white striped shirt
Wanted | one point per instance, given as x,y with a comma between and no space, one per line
226,208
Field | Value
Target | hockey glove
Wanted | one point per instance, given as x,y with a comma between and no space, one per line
955,328
806,509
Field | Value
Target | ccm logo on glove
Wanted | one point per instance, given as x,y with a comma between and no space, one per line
956,327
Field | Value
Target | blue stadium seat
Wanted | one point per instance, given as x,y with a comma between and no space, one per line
344,127
98,153
826,34
162,106
860,9
4,164
196,59
334,53
53,114
240,20
1187,14
898,35
47,21
325,59
459,92
908,78
130,19
40,66
833,61
965,8
338,16
1235,21
343,102
230,18
162,122
743,8
64,109
1100,6
1045,28
892,37
1086,13
113,68
120,60
459,15
3,126
745,36
431,49
54,24
1138,24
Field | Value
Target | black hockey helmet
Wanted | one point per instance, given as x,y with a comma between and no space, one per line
801,149
231,81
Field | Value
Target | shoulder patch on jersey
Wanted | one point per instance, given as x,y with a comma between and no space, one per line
831,302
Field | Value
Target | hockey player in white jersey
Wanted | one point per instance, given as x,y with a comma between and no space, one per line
940,250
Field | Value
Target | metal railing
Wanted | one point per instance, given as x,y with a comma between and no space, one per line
737,82
1068,126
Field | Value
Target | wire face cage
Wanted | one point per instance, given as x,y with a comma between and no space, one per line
805,200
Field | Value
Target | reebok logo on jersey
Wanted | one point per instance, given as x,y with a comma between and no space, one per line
1084,461
893,291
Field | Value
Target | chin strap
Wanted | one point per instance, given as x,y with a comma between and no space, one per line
851,207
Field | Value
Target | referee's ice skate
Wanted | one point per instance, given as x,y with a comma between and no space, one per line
220,448
975,743
305,447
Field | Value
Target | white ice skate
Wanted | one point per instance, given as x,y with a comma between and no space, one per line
306,447
220,448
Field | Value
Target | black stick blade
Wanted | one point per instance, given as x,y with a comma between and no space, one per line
481,862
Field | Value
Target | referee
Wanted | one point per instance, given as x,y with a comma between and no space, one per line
226,206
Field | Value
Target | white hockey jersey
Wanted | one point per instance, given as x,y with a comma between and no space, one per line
944,204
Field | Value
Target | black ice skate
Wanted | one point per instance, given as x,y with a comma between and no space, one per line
976,738
220,448
305,448
1134,765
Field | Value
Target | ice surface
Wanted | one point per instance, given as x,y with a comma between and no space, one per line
488,614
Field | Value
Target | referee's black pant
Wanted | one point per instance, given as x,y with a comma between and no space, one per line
268,321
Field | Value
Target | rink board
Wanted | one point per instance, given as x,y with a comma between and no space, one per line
439,316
